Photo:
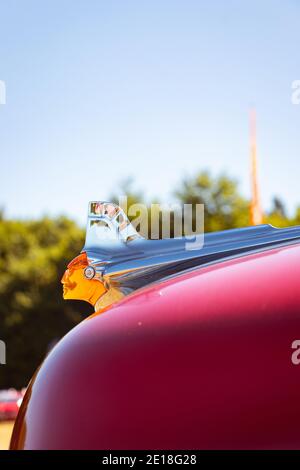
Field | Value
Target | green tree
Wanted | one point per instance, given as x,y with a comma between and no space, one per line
277,216
33,257
224,207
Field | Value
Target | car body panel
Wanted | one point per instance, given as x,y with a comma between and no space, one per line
199,361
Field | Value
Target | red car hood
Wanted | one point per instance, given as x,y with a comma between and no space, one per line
202,360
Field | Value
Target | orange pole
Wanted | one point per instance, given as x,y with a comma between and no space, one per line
256,215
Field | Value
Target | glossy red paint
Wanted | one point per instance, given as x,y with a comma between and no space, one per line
200,361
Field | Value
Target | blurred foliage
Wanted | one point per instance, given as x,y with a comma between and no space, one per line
224,207
34,255
33,315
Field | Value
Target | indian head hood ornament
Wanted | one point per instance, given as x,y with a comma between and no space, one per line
116,260
84,279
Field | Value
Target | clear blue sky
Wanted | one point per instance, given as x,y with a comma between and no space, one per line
99,90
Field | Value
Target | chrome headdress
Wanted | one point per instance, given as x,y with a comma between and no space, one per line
123,261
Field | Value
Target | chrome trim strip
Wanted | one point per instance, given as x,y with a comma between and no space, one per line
128,263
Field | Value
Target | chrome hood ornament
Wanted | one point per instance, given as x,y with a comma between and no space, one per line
116,260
